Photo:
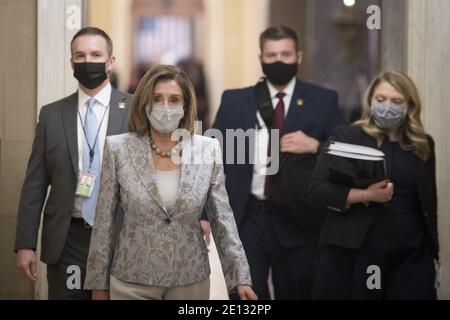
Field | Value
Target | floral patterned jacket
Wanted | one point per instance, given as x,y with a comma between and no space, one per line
159,246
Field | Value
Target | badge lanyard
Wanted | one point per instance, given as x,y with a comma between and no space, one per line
92,149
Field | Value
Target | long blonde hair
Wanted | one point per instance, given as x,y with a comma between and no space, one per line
411,133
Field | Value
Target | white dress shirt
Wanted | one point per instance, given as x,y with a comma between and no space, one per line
101,106
262,139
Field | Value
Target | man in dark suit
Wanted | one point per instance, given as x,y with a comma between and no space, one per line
305,114
66,156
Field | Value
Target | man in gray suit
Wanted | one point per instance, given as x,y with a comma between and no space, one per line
66,156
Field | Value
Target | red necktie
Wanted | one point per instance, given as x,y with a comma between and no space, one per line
277,123
278,115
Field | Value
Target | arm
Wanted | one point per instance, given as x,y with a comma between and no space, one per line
338,197
380,192
432,161
219,124
231,253
206,228
299,142
322,190
102,241
34,192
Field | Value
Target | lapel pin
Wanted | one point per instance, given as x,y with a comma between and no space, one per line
299,102
121,105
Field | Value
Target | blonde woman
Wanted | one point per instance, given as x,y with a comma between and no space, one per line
160,253
380,242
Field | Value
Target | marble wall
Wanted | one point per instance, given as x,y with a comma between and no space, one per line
17,122
428,63
36,70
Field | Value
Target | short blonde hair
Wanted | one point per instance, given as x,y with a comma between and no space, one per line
143,96
412,133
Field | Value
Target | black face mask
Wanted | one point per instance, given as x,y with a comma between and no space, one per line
90,74
280,73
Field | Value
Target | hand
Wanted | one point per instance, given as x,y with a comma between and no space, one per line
100,294
246,292
206,231
26,262
380,192
298,142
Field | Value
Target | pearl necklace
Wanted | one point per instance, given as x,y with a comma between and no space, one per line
175,150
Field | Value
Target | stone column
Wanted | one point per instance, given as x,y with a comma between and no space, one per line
232,45
393,39
428,63
115,17
17,123
57,23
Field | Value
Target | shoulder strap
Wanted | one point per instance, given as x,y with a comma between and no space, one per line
264,102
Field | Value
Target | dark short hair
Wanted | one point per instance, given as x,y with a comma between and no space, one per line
278,33
94,31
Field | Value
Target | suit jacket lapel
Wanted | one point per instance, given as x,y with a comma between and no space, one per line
294,112
117,116
141,157
386,147
69,117
188,172
249,110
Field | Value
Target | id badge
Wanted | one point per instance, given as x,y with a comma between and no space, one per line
85,184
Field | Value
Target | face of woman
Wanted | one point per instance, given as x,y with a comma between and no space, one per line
167,93
385,92
388,107
166,110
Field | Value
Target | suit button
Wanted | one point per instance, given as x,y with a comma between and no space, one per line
168,221
426,214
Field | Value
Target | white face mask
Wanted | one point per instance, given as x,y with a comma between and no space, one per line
164,119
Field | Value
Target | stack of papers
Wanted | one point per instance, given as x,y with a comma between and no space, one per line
355,151
355,165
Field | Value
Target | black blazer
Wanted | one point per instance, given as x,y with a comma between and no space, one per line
348,227
313,109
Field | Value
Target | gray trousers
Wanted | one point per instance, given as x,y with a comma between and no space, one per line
66,277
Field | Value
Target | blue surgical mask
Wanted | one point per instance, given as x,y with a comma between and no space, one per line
388,115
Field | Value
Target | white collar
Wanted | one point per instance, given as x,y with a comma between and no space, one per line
288,91
103,96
